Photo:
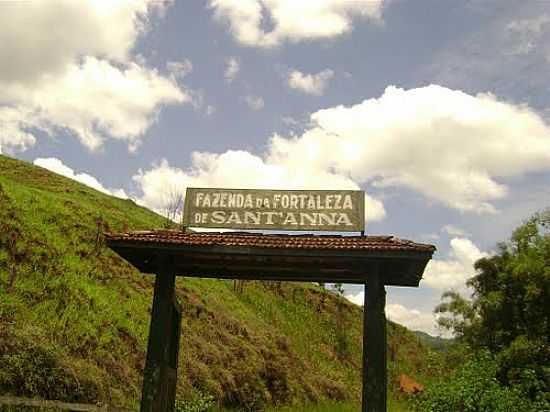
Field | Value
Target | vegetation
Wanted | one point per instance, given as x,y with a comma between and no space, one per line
435,342
473,388
198,403
324,407
74,317
506,327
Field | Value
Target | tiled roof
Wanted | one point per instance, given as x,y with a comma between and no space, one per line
274,241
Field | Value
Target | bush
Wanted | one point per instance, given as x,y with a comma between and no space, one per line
38,373
474,388
525,365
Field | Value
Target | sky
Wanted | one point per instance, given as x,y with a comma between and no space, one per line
438,110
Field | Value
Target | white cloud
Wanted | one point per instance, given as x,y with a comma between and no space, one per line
453,273
510,52
310,83
254,102
453,231
292,21
527,34
50,34
452,146
241,169
290,121
57,166
429,237
180,69
413,319
95,100
14,135
73,69
357,298
443,143
157,183
210,110
232,68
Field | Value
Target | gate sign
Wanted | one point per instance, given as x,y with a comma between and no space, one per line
319,210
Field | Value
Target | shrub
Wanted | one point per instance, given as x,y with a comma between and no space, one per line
473,388
525,365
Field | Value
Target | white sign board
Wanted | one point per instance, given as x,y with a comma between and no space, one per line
318,210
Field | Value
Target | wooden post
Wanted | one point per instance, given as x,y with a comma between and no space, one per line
374,346
159,377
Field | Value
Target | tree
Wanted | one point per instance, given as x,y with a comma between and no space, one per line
511,291
456,314
173,205
509,313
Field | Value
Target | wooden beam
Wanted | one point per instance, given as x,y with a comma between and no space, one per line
159,377
374,345
396,272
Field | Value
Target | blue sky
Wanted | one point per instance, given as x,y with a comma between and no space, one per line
439,110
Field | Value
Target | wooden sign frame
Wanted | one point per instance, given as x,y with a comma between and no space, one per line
282,210
374,261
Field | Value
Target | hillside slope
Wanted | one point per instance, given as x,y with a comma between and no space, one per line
74,317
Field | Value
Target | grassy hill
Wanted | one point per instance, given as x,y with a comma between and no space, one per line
74,317
435,342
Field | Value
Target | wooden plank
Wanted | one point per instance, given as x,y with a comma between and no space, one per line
374,346
319,267
396,272
202,271
159,377
173,353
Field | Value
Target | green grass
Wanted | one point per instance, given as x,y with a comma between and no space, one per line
74,317
328,406
322,407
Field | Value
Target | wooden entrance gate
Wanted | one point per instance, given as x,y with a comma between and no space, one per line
373,261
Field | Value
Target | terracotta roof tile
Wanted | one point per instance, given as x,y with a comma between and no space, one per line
276,241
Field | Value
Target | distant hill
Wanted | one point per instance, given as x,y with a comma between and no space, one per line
74,317
435,342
